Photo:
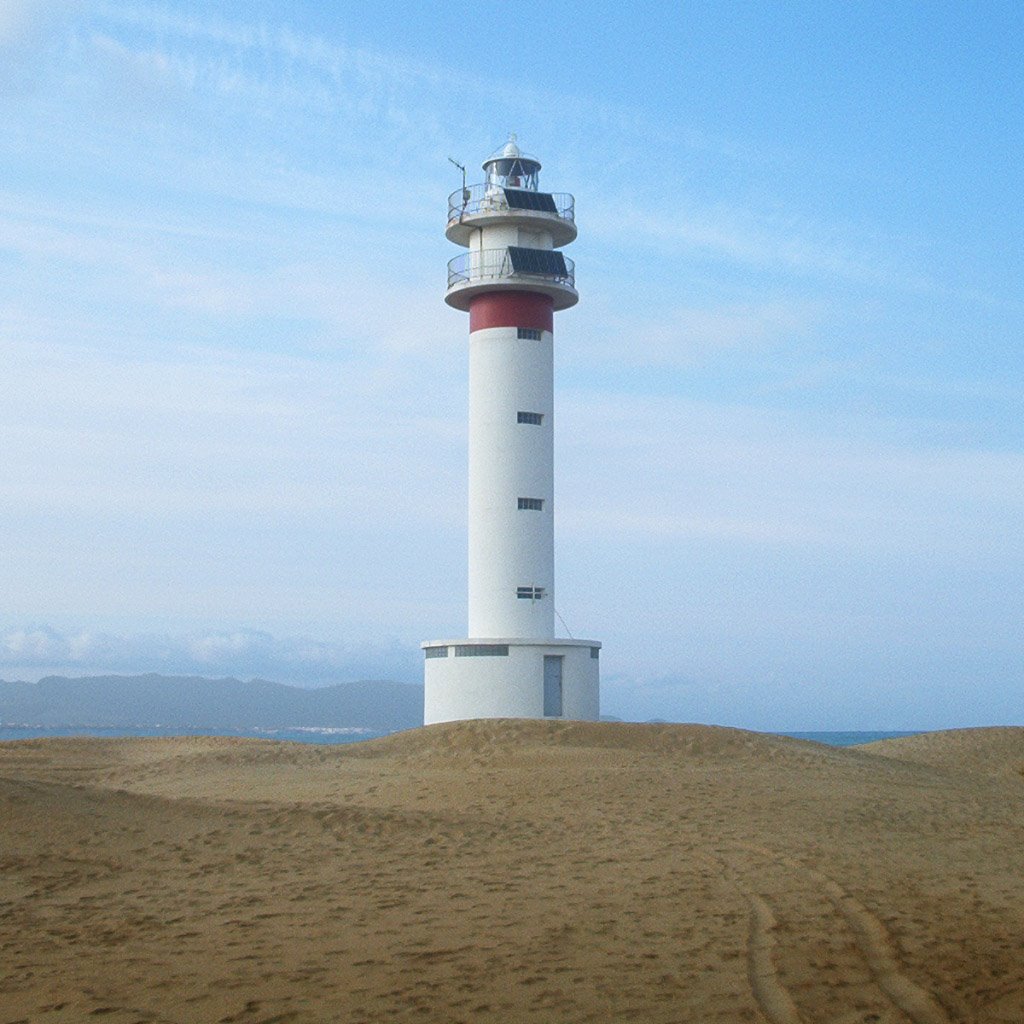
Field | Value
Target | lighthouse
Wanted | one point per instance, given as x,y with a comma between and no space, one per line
512,279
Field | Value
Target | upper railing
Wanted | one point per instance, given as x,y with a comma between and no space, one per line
485,265
476,199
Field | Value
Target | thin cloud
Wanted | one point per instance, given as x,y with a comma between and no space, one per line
759,477
226,434
24,23
315,75
394,88
748,236
687,335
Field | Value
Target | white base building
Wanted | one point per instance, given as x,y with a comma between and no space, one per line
506,677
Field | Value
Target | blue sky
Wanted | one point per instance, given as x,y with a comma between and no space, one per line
790,449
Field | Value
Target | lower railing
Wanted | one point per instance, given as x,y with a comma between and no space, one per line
511,264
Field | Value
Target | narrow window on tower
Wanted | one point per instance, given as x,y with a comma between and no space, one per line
532,504
536,418
529,593
529,333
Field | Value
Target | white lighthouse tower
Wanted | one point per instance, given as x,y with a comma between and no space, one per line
511,281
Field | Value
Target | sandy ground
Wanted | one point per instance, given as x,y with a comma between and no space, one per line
514,871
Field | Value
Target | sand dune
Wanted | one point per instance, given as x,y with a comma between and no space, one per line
995,752
515,871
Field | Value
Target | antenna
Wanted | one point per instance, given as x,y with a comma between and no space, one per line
465,191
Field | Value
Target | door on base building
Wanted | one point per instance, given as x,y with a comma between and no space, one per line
552,685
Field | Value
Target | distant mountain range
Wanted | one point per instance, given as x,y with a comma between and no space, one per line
192,702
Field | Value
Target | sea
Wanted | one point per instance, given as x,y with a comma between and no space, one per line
332,735
847,739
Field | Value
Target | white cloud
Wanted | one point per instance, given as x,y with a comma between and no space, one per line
34,651
33,644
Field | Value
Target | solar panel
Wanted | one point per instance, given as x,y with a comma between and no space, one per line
549,262
523,199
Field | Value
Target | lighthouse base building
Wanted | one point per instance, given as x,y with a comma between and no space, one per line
511,280
506,677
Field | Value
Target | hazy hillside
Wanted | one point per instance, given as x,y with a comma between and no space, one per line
152,700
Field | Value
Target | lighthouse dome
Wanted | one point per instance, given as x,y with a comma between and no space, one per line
510,149
510,167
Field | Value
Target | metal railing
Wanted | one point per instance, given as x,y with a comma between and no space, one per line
496,264
488,198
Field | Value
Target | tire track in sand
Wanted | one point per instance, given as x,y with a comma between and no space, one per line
772,996
875,945
878,951
769,992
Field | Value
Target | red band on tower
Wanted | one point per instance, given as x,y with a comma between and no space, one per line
511,309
